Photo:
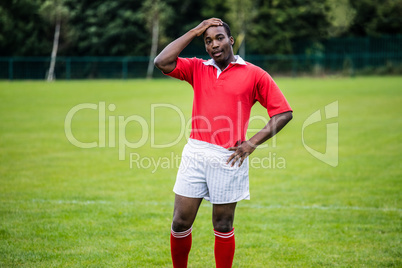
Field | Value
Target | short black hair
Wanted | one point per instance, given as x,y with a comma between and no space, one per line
225,26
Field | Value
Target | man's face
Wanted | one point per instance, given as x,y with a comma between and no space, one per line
218,44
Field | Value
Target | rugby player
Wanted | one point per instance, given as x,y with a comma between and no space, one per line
214,164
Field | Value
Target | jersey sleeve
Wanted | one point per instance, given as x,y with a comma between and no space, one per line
270,96
184,69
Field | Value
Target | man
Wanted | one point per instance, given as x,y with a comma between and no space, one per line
213,163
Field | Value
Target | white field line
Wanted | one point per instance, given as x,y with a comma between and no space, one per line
241,205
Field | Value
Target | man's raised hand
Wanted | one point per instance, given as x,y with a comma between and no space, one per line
203,26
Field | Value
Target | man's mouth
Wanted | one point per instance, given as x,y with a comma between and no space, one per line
216,53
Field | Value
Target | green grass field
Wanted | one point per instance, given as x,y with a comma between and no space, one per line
65,206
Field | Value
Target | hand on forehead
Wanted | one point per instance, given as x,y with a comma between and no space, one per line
213,31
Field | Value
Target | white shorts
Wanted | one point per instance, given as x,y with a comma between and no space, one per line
203,173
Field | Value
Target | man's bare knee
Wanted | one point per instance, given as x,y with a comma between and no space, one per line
223,217
182,220
223,226
184,213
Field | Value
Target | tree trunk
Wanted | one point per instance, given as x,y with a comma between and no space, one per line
154,47
50,75
242,50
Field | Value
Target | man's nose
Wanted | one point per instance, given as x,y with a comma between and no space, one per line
215,44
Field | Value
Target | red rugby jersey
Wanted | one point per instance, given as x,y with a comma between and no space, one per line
221,106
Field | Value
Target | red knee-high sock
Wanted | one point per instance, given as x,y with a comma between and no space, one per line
224,249
180,245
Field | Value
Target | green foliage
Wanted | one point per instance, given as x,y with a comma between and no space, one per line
377,18
216,9
241,14
23,32
340,15
157,11
119,28
187,15
280,23
54,10
107,28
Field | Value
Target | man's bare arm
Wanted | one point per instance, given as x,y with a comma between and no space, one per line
166,60
274,125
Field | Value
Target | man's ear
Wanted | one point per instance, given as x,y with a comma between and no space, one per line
231,40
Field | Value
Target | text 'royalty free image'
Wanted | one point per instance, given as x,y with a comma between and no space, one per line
173,161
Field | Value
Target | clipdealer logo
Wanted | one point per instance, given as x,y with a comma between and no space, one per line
146,129
123,121
112,134
330,156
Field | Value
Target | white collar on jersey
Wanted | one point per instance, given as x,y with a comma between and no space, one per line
238,59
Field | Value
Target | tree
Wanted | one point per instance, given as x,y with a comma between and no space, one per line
56,13
128,28
107,28
241,14
340,15
22,30
215,9
278,25
156,14
375,18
